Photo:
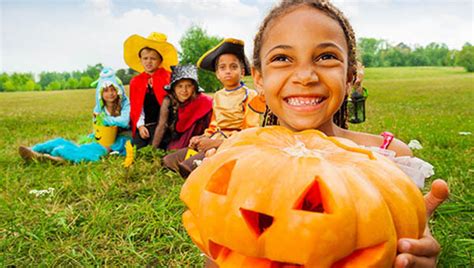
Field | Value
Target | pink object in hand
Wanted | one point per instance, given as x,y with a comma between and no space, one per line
387,139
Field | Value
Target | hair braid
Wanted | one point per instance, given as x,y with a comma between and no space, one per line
286,6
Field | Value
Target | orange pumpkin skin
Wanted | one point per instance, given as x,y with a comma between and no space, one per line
271,197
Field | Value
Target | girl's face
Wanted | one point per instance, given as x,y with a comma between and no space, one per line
150,60
184,89
304,71
229,71
109,94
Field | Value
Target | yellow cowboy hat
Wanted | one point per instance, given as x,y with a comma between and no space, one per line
156,41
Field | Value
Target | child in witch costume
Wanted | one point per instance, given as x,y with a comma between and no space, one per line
152,57
231,112
111,113
185,112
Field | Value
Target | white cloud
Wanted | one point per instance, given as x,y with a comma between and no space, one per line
64,36
102,7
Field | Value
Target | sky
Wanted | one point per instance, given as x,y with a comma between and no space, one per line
69,35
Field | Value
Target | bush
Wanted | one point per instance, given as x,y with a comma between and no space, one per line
465,58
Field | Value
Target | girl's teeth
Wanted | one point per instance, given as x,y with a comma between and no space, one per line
300,102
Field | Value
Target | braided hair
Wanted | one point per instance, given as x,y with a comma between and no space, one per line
286,6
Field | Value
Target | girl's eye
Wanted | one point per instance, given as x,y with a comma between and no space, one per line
328,57
280,58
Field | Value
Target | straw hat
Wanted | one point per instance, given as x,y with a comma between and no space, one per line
227,46
156,41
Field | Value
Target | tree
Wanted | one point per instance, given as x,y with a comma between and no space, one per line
369,50
194,43
55,85
465,57
94,71
71,83
125,75
85,82
3,79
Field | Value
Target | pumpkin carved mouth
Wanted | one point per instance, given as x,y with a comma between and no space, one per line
272,198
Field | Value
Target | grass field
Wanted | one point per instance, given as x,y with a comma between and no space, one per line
103,214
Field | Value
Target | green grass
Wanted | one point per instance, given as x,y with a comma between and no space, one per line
103,214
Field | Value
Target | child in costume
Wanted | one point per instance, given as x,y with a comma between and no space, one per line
306,74
185,112
231,112
152,57
111,112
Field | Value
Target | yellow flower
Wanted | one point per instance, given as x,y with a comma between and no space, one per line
129,149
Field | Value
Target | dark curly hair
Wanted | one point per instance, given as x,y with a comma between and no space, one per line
286,6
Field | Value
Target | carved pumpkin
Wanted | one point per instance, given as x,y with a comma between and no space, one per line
104,135
270,197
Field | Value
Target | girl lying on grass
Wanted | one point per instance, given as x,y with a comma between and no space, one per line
111,114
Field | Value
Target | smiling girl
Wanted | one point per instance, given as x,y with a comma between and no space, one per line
305,76
112,109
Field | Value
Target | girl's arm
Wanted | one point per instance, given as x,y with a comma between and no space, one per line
162,122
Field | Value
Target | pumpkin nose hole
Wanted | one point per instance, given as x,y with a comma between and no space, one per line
217,250
258,222
311,199
219,181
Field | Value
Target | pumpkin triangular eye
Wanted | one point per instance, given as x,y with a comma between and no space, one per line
258,222
219,181
311,199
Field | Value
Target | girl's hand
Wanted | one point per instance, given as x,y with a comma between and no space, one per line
143,131
206,144
424,251
193,142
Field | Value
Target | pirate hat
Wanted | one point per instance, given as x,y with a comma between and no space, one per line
227,46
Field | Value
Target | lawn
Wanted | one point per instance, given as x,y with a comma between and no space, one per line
103,214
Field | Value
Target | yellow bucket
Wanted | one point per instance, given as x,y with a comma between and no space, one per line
105,136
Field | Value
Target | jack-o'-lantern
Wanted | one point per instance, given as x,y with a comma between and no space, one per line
270,197
105,135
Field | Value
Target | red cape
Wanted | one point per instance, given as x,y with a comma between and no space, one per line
193,111
138,86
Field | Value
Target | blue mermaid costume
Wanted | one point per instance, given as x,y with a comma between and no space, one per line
92,150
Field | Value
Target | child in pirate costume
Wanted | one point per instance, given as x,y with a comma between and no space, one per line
152,57
185,112
111,113
231,112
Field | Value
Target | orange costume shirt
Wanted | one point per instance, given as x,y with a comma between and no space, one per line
231,112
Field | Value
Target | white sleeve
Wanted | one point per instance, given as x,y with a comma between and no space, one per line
141,119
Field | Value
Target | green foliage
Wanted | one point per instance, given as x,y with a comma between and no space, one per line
378,53
72,83
94,71
368,49
465,58
54,85
125,75
18,82
45,78
194,43
101,214
85,82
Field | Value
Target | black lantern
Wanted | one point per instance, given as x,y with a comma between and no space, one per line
356,106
